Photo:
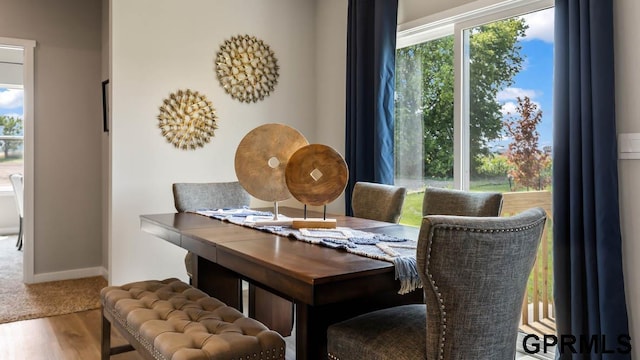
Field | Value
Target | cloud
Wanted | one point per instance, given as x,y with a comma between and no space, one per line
11,98
510,96
13,114
508,108
512,93
540,25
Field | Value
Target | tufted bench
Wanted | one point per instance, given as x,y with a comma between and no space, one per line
171,320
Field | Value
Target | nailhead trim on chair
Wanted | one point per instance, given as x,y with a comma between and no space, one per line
432,282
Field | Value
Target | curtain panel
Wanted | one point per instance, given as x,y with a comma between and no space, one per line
588,280
371,46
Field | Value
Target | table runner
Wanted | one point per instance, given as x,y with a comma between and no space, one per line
400,252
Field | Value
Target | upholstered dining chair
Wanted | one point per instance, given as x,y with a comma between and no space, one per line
474,272
195,196
377,201
17,182
439,201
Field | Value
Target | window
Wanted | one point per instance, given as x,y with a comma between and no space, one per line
473,111
473,103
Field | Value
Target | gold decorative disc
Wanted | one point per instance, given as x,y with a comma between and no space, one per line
316,174
246,68
187,119
262,157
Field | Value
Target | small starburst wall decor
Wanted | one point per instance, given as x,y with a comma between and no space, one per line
246,68
187,119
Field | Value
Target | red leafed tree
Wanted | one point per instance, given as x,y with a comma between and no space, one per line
529,162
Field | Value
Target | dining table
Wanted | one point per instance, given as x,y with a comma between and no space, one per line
290,281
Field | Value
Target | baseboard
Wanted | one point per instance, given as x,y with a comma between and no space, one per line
70,274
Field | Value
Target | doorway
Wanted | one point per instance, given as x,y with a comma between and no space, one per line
17,91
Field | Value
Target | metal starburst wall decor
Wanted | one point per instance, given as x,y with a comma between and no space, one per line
187,119
247,68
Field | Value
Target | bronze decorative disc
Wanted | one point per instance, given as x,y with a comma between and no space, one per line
262,157
316,174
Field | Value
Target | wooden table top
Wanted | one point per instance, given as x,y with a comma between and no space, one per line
290,267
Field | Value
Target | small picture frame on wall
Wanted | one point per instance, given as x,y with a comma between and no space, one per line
105,106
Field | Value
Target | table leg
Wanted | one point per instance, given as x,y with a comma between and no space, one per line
311,333
273,311
217,281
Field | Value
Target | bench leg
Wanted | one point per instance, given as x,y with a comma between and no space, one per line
105,344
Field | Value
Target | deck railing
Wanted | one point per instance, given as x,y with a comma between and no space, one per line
537,309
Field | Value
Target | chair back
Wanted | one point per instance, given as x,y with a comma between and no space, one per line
439,201
377,201
17,182
195,196
475,271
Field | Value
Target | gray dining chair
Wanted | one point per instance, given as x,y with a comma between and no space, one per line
377,201
474,271
17,182
197,196
440,201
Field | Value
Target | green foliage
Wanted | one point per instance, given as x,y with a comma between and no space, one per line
412,209
492,165
424,93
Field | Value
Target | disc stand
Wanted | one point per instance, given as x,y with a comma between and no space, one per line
275,220
314,223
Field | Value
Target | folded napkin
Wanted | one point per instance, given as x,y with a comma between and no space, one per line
221,214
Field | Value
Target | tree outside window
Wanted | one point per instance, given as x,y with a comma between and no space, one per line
11,126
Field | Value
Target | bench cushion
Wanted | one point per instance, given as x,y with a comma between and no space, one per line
173,320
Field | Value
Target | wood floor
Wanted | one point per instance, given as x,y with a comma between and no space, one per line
67,337
75,337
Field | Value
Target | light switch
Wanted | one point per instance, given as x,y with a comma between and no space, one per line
629,146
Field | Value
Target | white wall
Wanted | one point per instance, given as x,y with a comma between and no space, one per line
626,14
9,219
106,140
159,47
331,54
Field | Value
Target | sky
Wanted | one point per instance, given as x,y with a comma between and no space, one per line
536,79
11,102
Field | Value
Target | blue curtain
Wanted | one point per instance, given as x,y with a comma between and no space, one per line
588,284
371,46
